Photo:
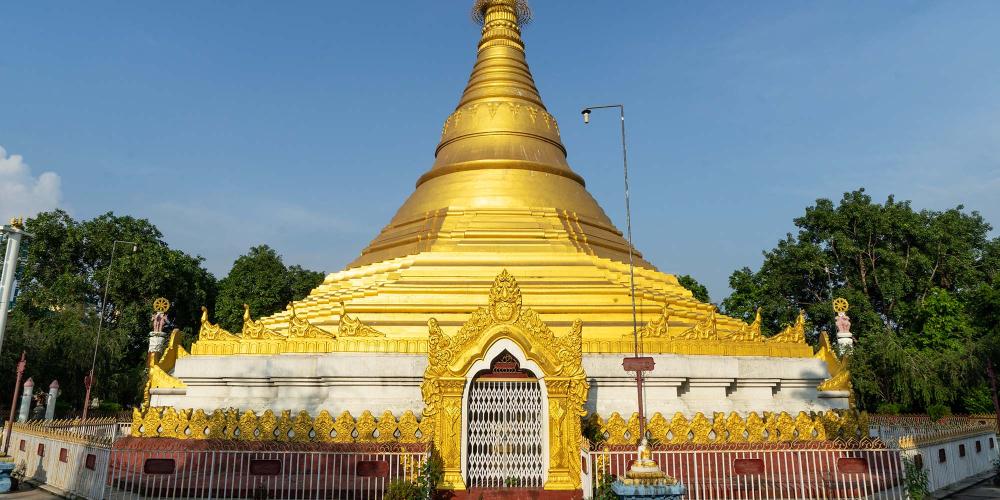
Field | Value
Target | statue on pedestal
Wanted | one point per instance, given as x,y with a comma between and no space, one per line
845,339
644,479
157,337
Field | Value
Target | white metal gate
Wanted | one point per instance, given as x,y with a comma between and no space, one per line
505,433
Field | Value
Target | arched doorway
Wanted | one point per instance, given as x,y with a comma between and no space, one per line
455,365
505,427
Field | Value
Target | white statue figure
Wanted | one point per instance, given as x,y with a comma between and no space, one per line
159,320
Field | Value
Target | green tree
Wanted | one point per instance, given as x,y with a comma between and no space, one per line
913,279
699,290
261,280
62,283
302,281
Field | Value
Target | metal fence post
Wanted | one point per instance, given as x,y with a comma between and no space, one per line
211,475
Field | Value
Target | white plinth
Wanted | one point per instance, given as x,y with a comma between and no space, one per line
378,382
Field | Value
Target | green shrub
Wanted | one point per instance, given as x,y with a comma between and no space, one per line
937,411
401,489
916,479
604,491
889,409
431,474
591,430
109,407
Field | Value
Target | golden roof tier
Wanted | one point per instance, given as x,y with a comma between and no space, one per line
500,195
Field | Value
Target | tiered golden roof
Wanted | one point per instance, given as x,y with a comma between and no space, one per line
501,194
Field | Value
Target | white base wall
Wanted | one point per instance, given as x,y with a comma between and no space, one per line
377,382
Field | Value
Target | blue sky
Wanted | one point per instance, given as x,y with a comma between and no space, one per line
304,125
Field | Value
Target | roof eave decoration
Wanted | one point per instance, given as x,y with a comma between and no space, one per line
840,376
660,336
299,336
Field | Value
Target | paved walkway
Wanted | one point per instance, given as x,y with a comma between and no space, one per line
28,491
979,491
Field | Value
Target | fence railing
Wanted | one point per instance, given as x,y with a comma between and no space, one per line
134,474
108,428
766,471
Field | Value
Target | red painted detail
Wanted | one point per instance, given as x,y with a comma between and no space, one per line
852,465
90,462
583,465
372,468
265,467
513,494
159,466
21,445
638,364
41,450
63,455
746,466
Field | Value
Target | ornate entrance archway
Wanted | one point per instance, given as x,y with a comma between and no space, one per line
504,436
555,361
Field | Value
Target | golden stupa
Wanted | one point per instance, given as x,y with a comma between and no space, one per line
500,262
501,194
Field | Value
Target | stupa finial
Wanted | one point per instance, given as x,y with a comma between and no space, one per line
520,9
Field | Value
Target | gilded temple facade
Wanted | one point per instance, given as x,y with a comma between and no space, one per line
499,280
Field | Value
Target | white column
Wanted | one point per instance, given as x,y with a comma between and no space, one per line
7,277
29,386
50,403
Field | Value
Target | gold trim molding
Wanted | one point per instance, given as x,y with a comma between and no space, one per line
247,425
736,428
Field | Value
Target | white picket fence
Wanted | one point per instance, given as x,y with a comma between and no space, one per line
950,457
71,465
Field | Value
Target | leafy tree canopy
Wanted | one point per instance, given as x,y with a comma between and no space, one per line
922,285
261,280
62,283
699,290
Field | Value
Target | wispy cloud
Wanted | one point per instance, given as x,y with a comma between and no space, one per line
21,193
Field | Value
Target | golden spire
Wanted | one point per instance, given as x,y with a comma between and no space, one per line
500,121
500,184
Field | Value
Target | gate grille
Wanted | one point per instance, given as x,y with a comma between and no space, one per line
505,434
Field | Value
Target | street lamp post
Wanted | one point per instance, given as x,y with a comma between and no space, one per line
637,364
88,381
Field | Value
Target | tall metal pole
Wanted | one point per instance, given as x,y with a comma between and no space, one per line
13,404
631,264
14,232
88,381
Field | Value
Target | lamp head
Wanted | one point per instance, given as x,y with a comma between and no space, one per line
586,115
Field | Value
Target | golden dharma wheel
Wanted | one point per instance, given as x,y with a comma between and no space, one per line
161,305
840,305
